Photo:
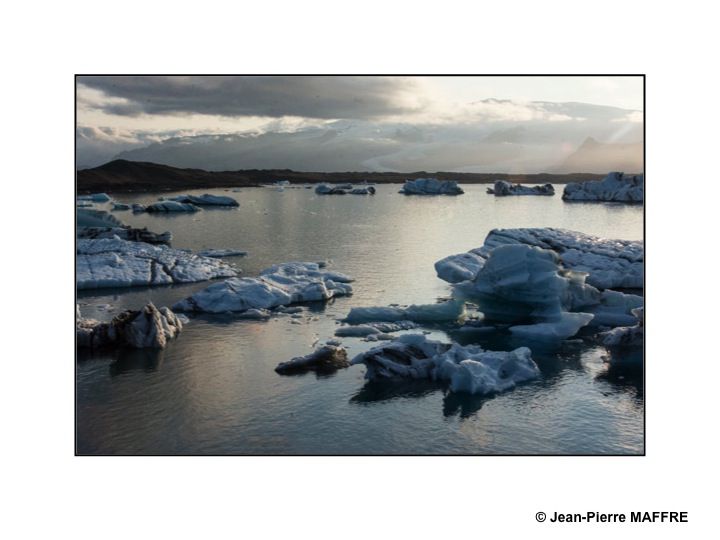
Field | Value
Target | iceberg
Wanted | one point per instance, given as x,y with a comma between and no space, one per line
112,262
567,325
503,188
615,187
325,359
120,206
89,217
609,263
442,312
344,189
166,206
468,369
625,336
431,186
356,331
148,327
132,234
222,253
95,197
205,200
279,285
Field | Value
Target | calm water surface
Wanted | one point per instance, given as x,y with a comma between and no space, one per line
214,389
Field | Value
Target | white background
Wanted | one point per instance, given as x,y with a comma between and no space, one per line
49,493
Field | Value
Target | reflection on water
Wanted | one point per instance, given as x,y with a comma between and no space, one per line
214,389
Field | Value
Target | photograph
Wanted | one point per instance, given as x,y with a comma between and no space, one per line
359,265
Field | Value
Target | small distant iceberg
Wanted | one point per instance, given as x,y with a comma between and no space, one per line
503,188
609,263
118,206
90,217
112,262
206,200
95,197
441,312
615,187
467,369
166,206
279,285
343,189
431,186
325,359
148,327
222,253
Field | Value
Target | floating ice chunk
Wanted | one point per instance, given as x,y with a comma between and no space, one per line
503,188
87,217
95,197
279,285
138,208
615,309
431,186
325,359
222,253
135,235
83,204
112,262
468,369
566,326
149,327
445,311
461,267
393,326
206,200
615,187
343,189
608,263
169,206
356,331
625,336
120,206
365,190
335,342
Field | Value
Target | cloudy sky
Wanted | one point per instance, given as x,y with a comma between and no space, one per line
483,124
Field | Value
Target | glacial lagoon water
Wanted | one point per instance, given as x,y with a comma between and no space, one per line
214,389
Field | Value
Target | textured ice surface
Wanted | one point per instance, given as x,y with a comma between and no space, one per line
326,358
626,336
135,235
95,197
149,327
279,285
89,217
112,262
445,311
206,200
615,187
431,186
566,326
468,369
608,263
167,206
503,188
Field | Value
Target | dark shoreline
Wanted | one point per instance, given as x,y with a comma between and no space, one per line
122,176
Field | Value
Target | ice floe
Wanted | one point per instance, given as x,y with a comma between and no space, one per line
95,197
503,188
431,186
205,200
441,312
343,189
148,327
625,336
279,285
120,206
615,187
608,263
125,233
222,253
327,358
112,262
166,206
90,217
468,369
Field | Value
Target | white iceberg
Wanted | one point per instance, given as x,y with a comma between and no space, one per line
278,285
431,186
567,325
442,312
222,253
149,327
205,200
615,187
468,369
112,262
503,188
608,263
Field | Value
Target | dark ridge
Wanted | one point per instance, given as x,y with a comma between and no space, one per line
122,175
